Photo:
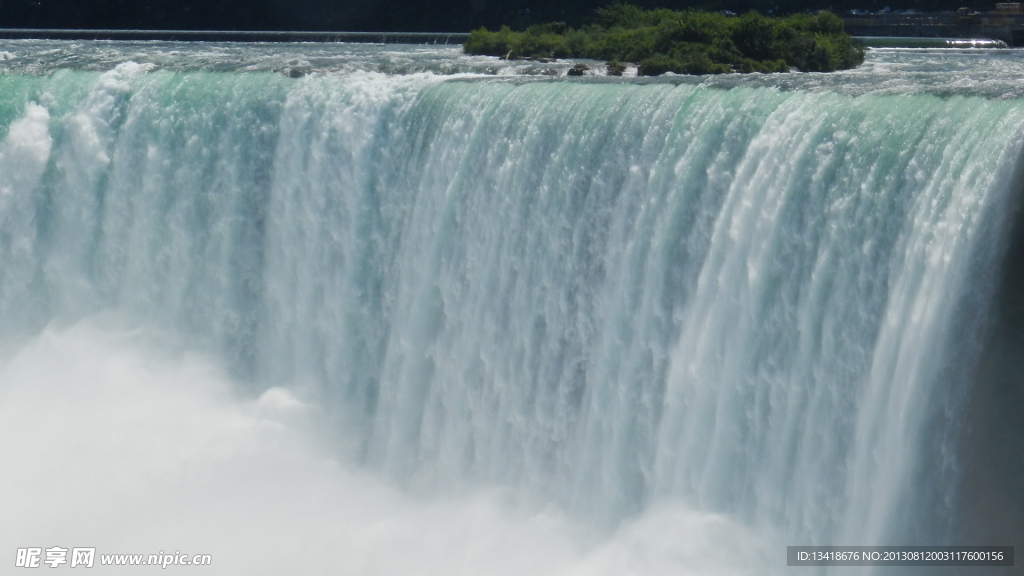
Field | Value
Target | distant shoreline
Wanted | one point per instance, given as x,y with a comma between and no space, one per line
234,36
441,38
1006,27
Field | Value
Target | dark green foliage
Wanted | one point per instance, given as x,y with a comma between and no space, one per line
688,42
694,63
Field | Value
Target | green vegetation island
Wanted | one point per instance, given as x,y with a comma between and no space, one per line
686,42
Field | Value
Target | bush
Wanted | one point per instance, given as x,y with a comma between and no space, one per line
688,42
499,43
695,62
659,64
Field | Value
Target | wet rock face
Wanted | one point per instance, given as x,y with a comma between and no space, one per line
578,70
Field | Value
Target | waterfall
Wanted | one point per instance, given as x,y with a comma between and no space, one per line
759,303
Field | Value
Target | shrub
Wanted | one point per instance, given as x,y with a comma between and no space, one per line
615,68
688,42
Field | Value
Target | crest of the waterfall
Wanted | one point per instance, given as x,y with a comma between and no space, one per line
748,303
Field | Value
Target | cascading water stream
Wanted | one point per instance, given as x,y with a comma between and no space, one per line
616,297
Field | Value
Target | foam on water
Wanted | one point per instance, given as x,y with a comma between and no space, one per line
126,441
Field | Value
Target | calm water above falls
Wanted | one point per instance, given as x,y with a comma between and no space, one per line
329,299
